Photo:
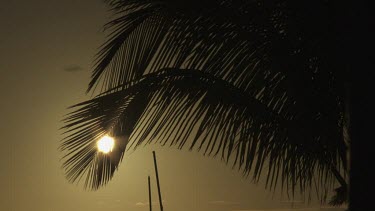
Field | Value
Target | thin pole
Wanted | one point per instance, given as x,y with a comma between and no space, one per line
149,193
157,181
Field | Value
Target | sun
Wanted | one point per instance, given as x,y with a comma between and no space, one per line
106,144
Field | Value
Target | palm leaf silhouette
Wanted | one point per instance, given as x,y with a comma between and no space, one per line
247,80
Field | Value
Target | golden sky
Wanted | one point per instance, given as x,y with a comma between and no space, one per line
46,52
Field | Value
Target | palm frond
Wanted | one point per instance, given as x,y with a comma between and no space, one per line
174,106
241,52
248,80
340,197
134,38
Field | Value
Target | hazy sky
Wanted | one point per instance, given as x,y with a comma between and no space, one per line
46,52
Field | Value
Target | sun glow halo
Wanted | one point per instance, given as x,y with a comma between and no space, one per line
106,144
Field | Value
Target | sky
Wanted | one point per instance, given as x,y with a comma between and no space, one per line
46,55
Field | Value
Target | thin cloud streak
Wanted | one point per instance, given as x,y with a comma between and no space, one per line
72,68
143,204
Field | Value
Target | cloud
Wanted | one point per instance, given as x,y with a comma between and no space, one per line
143,204
72,68
140,204
223,203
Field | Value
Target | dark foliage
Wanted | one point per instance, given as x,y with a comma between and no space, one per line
255,81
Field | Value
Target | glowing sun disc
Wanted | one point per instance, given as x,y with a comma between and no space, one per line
106,144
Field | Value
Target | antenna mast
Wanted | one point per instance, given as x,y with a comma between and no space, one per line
149,193
157,182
